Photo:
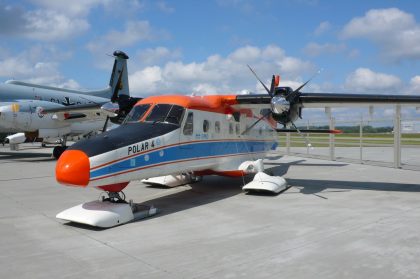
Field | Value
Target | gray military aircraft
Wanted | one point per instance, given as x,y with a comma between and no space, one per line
49,114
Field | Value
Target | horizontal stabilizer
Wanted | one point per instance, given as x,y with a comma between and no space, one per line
314,131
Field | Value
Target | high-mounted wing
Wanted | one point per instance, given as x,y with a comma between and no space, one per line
287,104
316,100
74,108
286,110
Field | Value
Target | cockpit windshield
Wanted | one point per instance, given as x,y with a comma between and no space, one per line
166,113
136,113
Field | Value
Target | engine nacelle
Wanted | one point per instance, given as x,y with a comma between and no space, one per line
283,111
16,138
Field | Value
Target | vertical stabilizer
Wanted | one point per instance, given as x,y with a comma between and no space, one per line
119,76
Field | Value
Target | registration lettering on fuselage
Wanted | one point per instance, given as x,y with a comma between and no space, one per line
141,146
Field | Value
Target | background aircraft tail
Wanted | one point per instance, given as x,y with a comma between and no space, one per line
119,76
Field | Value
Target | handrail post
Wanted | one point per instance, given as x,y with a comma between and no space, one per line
361,139
397,137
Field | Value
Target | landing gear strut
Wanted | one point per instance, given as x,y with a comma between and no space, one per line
114,197
58,150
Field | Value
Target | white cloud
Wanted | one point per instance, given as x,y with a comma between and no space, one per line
155,56
145,81
322,28
314,49
40,24
366,80
219,74
50,26
75,8
81,8
61,20
165,7
36,65
395,32
414,86
134,32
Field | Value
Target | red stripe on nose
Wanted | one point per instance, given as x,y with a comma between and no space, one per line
73,168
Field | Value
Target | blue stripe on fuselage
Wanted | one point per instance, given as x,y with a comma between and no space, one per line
184,152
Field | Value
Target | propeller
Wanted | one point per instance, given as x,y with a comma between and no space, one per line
290,97
285,103
255,123
274,82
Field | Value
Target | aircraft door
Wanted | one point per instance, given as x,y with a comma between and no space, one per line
187,131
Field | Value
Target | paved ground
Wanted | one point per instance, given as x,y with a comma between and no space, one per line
337,220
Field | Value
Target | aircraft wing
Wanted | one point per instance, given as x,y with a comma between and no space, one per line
74,108
316,100
286,108
320,100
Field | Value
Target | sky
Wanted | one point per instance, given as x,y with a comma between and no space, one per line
203,47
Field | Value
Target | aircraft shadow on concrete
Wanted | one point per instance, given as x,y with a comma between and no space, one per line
280,169
26,157
311,186
212,189
314,187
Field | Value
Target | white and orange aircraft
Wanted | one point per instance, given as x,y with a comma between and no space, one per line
176,139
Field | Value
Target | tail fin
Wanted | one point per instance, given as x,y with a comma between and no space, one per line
119,76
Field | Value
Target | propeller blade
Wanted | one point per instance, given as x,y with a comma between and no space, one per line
105,124
256,122
262,83
292,95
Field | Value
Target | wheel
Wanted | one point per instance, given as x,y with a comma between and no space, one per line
58,150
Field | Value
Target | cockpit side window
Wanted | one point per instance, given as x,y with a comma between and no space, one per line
189,124
166,113
136,113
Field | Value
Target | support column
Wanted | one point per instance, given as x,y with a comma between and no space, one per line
361,140
332,137
397,137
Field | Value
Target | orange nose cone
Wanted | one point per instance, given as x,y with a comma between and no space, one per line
72,168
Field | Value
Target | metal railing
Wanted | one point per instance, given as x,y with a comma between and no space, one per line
394,148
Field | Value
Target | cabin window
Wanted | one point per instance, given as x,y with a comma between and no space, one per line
260,131
231,128
136,113
237,129
189,127
206,126
217,126
166,113
237,116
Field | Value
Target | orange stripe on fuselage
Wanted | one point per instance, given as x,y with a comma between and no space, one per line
211,103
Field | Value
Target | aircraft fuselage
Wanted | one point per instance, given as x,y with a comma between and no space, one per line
202,141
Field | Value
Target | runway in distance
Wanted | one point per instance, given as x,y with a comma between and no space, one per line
176,139
48,114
